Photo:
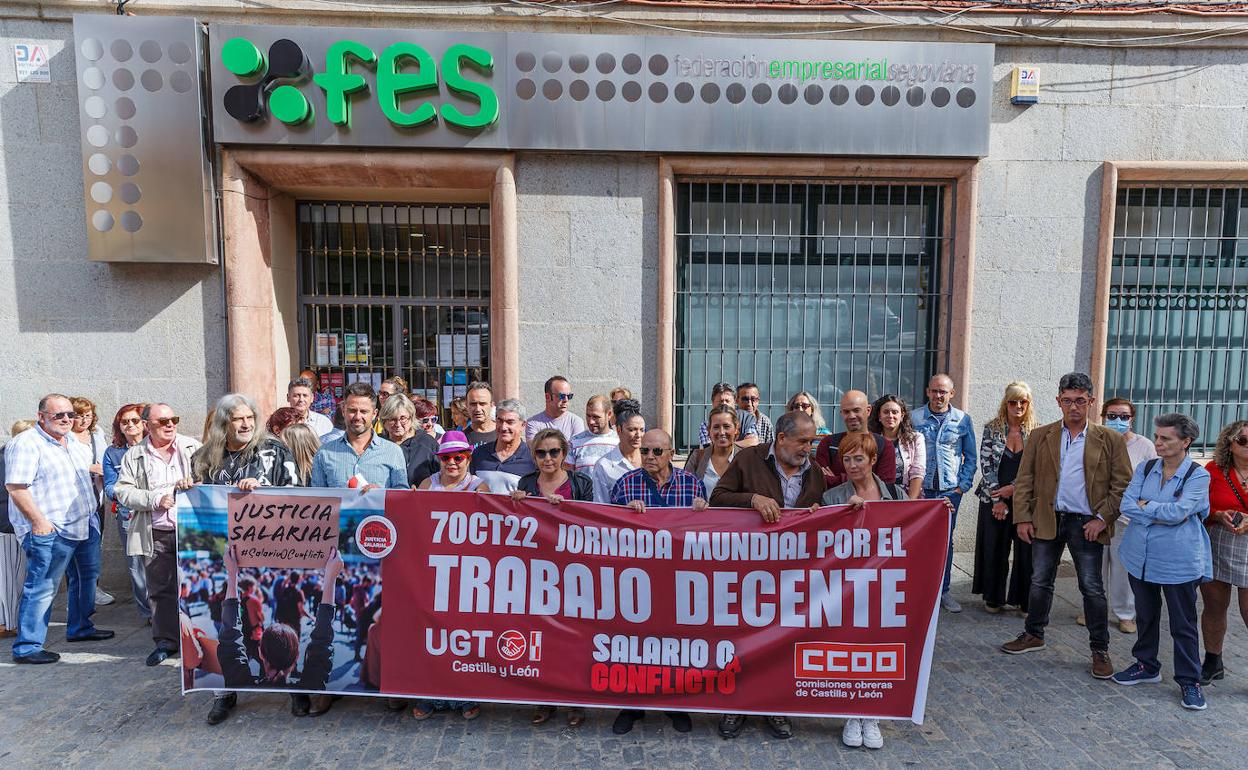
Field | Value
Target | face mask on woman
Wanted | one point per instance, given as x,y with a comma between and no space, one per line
1120,425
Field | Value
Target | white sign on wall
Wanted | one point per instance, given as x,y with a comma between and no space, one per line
31,60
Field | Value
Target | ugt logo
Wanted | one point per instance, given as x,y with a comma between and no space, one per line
403,70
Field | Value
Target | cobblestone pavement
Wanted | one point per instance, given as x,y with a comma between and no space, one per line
101,707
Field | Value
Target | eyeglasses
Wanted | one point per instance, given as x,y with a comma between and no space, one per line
428,422
167,421
130,421
542,454
1068,402
565,396
652,450
803,407
458,457
750,399
1117,415
1241,439
61,415
399,419
1017,402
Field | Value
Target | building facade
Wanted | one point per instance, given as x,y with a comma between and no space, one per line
799,230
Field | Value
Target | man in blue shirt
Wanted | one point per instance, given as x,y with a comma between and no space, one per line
951,458
359,453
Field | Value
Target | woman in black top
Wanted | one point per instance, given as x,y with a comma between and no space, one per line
995,536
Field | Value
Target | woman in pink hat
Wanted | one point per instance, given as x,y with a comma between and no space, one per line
453,453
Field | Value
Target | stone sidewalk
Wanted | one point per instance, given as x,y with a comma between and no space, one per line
101,707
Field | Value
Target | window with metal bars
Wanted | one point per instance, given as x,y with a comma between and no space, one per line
1178,306
819,286
395,289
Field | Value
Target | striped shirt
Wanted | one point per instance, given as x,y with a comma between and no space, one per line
681,489
58,476
588,448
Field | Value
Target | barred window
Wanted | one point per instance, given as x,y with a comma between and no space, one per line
817,286
389,289
1178,304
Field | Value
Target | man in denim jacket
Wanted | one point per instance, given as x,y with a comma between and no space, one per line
951,458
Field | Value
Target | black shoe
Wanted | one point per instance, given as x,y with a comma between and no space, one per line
779,727
98,635
730,725
157,657
1212,668
681,722
396,704
624,721
299,705
221,708
43,656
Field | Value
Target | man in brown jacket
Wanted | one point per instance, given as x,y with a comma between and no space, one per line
1066,495
769,478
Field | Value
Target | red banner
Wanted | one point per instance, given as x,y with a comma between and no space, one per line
831,613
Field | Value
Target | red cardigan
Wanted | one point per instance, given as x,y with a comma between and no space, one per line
1221,496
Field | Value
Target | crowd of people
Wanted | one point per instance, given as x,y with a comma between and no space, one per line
1143,522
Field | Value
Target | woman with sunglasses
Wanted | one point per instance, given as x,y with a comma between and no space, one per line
427,417
1228,535
1000,452
802,401
454,454
554,483
128,431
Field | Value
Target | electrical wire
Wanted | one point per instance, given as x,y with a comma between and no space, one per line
986,30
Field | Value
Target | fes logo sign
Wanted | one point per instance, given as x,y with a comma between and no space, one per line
403,70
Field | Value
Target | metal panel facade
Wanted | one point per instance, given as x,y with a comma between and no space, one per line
146,174
611,93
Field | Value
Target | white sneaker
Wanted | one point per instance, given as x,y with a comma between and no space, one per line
852,734
871,737
950,603
103,597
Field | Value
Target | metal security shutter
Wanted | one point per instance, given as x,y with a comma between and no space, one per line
389,289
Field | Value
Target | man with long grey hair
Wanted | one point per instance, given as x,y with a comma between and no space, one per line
238,452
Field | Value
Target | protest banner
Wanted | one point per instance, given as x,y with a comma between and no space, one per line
285,532
830,613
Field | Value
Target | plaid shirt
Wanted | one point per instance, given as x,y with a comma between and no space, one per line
679,492
59,478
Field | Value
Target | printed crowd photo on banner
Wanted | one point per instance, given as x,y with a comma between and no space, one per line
274,594
827,612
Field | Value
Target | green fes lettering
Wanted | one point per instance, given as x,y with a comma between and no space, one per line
241,57
480,60
393,84
339,83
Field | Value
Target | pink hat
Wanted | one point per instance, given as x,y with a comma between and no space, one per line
453,441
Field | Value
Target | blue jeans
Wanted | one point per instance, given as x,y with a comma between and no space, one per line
1181,603
954,497
48,559
138,575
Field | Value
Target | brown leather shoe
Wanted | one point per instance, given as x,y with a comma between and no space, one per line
1024,643
320,704
1102,666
